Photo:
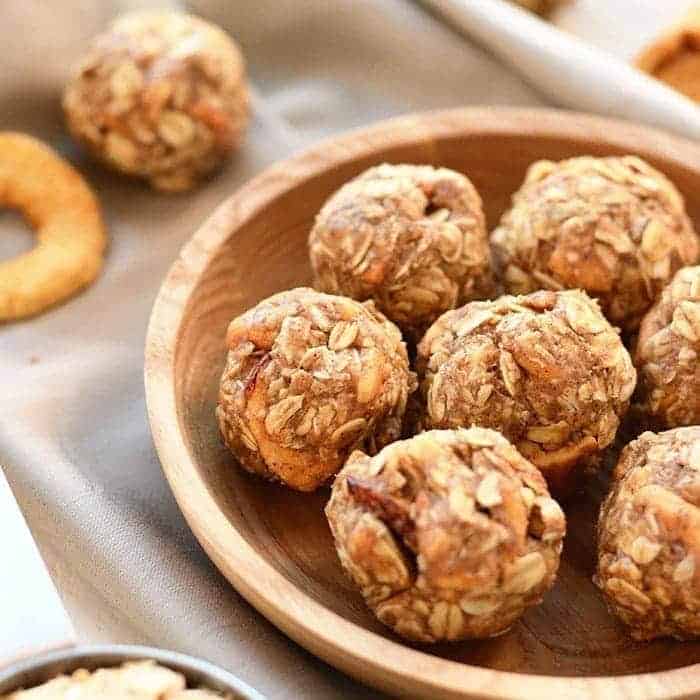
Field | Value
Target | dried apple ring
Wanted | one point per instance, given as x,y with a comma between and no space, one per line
65,215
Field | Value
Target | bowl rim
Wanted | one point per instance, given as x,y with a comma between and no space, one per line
114,654
367,656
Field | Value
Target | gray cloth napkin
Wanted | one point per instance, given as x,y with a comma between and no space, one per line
74,436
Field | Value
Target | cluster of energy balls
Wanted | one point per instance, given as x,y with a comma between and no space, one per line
449,379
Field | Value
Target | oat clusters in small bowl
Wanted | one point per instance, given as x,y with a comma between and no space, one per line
140,680
453,384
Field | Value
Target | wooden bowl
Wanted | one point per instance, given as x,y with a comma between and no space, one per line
274,545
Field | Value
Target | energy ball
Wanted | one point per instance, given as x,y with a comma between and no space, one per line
667,353
160,95
310,377
615,227
546,369
412,238
449,535
649,536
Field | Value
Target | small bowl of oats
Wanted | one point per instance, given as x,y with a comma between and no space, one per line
120,671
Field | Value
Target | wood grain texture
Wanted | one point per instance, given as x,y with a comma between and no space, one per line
274,545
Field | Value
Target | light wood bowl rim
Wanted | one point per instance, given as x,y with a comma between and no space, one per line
363,654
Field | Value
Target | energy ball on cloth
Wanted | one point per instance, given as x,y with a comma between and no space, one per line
449,535
615,227
667,353
411,237
160,95
649,536
309,377
546,369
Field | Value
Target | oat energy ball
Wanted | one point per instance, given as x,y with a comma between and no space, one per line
160,95
412,238
615,227
309,378
449,535
667,353
649,536
546,370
